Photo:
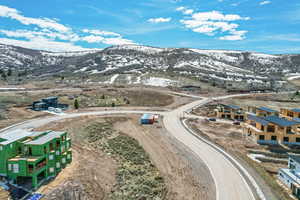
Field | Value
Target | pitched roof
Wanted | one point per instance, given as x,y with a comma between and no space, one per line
296,110
232,106
267,109
281,121
258,119
46,138
15,135
295,158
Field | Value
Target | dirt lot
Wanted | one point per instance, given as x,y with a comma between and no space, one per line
13,105
93,170
274,101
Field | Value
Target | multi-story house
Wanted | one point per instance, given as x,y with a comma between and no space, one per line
30,158
266,127
230,112
291,176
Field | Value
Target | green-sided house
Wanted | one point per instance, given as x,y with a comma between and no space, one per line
33,157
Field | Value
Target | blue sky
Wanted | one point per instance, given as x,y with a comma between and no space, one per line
270,26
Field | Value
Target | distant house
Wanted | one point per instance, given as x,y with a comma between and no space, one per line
228,111
291,176
266,127
46,103
30,158
265,111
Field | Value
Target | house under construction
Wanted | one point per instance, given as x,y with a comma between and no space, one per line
30,158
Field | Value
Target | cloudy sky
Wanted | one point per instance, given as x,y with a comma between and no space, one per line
270,26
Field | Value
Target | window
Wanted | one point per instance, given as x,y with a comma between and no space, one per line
62,149
1,148
51,170
271,129
51,147
297,139
63,160
16,168
30,168
262,127
57,153
45,150
9,167
11,146
57,143
261,137
51,157
274,137
58,165
286,139
69,156
289,129
30,151
68,145
290,114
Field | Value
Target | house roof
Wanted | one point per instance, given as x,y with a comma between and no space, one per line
295,158
281,121
50,98
258,119
267,109
232,106
14,136
296,119
147,116
46,138
296,110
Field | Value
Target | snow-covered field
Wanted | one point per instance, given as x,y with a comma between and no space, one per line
159,82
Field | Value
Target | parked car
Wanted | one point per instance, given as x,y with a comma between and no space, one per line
237,123
212,119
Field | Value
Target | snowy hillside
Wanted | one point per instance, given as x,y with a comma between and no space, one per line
207,65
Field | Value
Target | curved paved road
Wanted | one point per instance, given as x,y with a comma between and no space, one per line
230,184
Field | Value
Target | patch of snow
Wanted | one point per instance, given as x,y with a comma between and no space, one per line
293,77
112,79
81,70
159,82
68,54
255,156
145,49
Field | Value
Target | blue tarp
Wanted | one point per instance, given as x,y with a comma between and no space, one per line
35,197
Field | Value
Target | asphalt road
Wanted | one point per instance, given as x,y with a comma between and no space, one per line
229,182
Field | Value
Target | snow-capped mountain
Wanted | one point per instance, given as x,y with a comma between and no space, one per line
205,64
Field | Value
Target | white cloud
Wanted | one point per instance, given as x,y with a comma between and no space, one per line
41,22
211,23
180,8
264,3
217,16
101,32
185,10
43,33
92,39
235,35
53,36
159,20
43,44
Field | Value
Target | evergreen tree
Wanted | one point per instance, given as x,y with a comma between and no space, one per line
76,104
9,73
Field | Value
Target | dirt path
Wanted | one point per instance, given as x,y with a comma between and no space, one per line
174,162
